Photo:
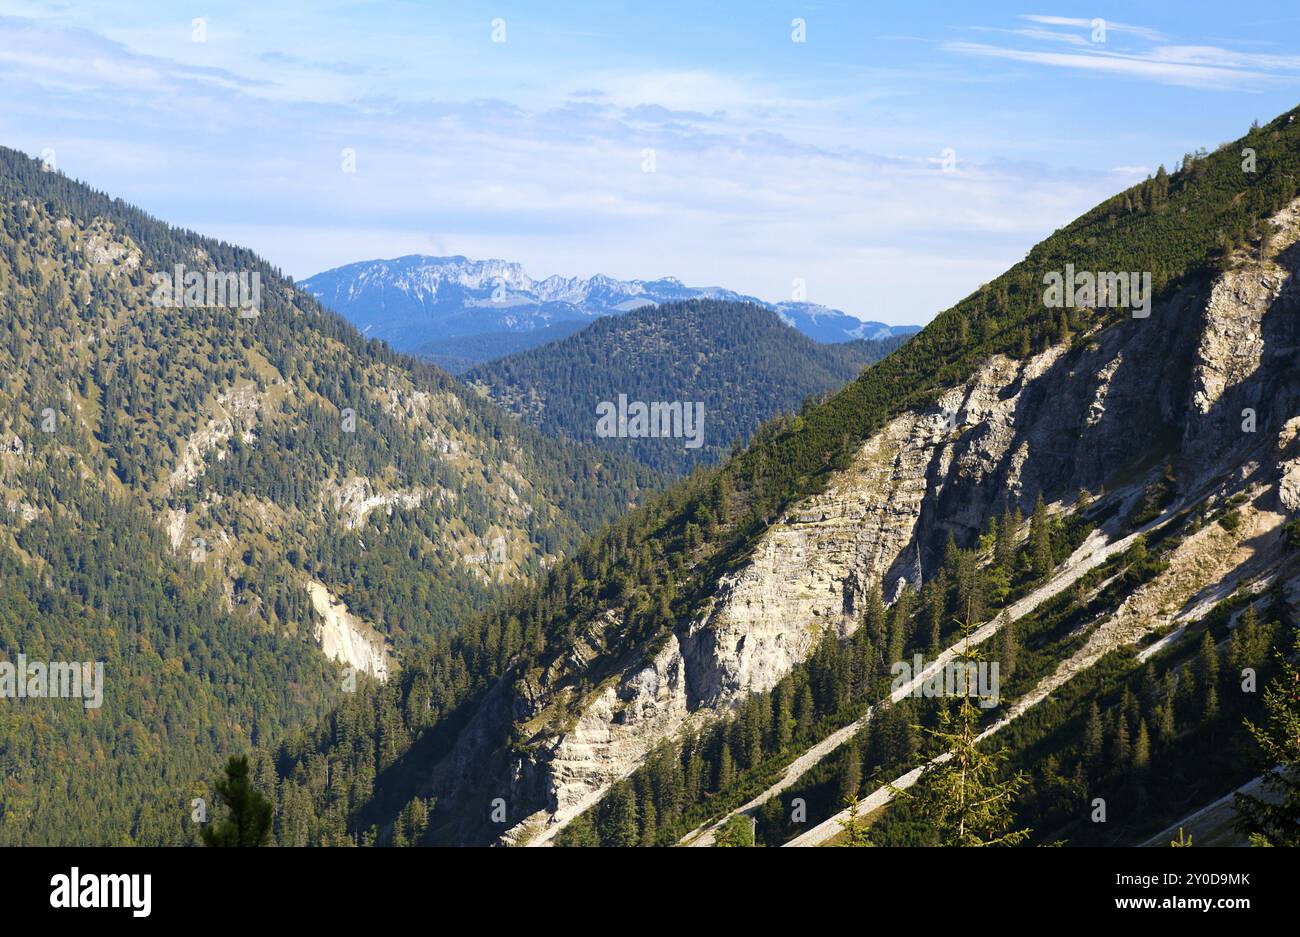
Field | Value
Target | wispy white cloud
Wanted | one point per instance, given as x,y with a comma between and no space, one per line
1163,69
758,178
1148,58
1143,32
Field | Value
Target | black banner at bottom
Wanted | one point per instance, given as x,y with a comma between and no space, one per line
148,887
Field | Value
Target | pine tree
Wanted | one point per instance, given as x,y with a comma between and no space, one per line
249,823
961,798
1276,822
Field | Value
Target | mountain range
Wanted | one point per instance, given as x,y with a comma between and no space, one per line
428,622
430,305
242,512
1099,498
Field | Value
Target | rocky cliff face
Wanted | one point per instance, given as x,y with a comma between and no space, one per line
1207,384
346,638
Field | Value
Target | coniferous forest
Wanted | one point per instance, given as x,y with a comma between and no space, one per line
1027,577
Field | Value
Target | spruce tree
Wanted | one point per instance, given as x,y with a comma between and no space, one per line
936,607
694,778
805,711
897,641
785,723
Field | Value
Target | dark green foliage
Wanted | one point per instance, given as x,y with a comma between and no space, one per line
1092,738
1276,821
834,687
1291,531
1040,540
968,799
1168,225
738,831
187,675
207,657
1158,496
249,820
741,361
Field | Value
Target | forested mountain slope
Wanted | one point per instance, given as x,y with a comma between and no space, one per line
191,491
460,354
679,661
740,361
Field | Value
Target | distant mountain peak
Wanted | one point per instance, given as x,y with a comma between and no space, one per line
415,301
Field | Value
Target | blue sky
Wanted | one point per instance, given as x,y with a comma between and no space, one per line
894,160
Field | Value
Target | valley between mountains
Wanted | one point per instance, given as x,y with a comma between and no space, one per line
437,612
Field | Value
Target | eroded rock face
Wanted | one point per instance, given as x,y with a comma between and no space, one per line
235,412
1110,409
1288,482
355,498
346,638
